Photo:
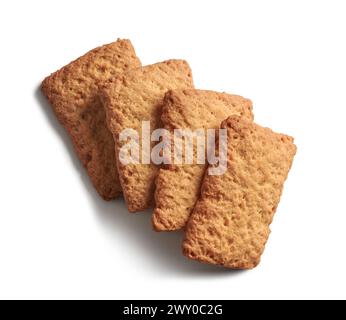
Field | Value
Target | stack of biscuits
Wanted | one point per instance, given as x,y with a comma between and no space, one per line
225,217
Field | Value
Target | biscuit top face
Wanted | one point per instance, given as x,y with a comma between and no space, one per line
73,94
195,109
134,97
192,109
75,86
137,95
230,223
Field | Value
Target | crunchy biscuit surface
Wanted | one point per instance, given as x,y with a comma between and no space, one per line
130,99
73,93
178,186
230,223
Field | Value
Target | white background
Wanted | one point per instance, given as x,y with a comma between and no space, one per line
58,239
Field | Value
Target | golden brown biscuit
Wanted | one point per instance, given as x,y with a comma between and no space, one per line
178,186
73,93
230,223
130,99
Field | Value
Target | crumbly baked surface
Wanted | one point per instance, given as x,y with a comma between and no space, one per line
73,94
178,186
134,97
230,223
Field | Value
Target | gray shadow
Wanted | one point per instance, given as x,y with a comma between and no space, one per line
163,250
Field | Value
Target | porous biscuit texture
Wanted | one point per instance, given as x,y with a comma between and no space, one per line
130,99
73,94
230,223
178,186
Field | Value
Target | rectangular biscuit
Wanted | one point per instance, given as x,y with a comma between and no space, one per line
73,94
178,186
130,99
230,223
